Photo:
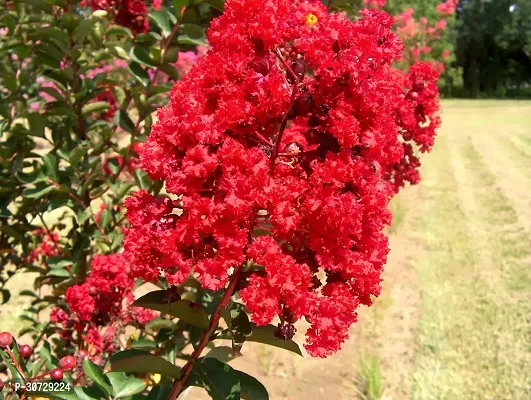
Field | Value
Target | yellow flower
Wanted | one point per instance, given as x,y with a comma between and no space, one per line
311,19
155,378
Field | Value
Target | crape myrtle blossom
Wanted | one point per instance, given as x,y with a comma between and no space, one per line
101,306
280,150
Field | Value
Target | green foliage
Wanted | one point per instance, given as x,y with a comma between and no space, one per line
493,46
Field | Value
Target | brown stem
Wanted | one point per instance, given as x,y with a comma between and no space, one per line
285,64
263,140
276,150
17,365
179,383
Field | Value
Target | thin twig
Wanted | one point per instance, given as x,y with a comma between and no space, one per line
179,383
284,123
17,365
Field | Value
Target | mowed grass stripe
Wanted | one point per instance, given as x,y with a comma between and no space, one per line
473,327
502,247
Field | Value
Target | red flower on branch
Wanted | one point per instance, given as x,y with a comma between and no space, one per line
281,148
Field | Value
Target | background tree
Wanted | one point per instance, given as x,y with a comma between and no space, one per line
494,46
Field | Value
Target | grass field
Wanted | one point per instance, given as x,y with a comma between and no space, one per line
454,318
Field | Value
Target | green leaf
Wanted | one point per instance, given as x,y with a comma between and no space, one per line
252,388
95,373
223,354
159,392
37,366
191,34
178,5
119,30
77,154
88,393
162,20
185,310
40,190
165,87
29,293
71,395
142,178
140,55
58,262
123,385
94,107
135,360
11,366
51,166
83,29
266,335
12,232
159,323
60,272
106,217
219,4
120,52
123,121
171,71
219,379
145,344
139,73
37,124
5,295
46,354
239,325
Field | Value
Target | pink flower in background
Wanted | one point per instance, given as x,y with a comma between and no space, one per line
440,67
46,84
120,64
426,49
446,54
423,21
157,4
375,3
186,61
448,7
442,24
415,51
3,32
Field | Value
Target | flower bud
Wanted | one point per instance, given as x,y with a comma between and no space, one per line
25,350
262,66
56,374
100,14
67,363
6,339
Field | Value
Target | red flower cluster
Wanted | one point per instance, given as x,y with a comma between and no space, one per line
103,300
108,96
129,13
133,161
47,247
283,145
